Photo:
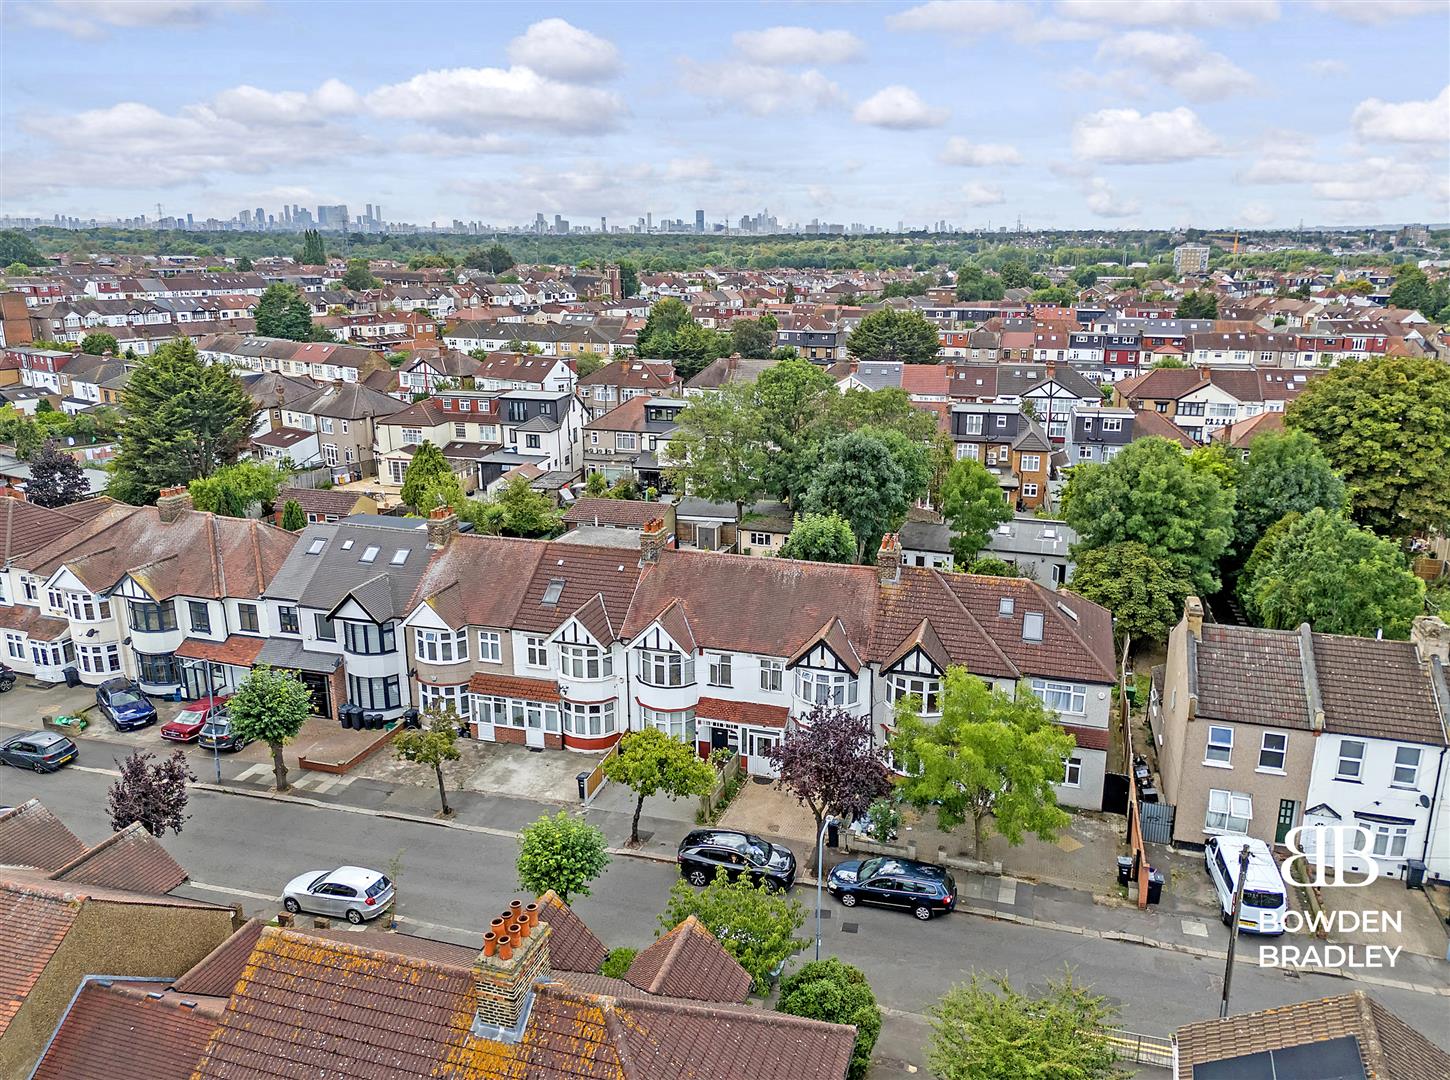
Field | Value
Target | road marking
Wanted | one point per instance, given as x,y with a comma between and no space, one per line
229,891
93,769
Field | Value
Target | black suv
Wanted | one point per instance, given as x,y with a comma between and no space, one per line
922,888
705,852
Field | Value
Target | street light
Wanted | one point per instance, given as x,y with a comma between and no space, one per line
211,698
821,876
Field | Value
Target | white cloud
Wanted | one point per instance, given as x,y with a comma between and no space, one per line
438,144
1256,215
251,105
758,89
900,108
1170,13
1103,201
1180,61
983,195
1328,68
561,50
959,151
966,20
1126,136
785,45
1374,12
1070,170
472,100
92,19
1405,121
1374,179
691,168
1287,158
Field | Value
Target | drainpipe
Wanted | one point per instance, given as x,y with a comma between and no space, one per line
1435,806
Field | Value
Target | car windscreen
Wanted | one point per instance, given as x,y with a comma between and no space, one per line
757,850
125,697
869,869
1262,898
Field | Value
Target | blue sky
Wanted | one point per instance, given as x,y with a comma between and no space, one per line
1069,113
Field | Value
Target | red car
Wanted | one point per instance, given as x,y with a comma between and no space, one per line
188,723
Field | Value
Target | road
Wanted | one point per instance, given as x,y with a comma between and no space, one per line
242,849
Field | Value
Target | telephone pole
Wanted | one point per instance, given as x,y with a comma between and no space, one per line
1233,930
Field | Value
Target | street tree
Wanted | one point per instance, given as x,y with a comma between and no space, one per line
98,344
359,276
424,471
293,518
563,853
906,336
433,744
56,478
283,312
651,762
754,923
1382,425
1150,495
820,538
1412,290
716,448
313,253
150,791
233,490
1338,578
185,420
754,338
829,762
1144,595
987,1030
789,399
991,755
973,504
1286,472
860,480
837,993
270,706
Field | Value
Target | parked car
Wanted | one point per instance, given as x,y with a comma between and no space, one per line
189,722
7,678
43,751
217,734
705,852
354,892
125,705
924,889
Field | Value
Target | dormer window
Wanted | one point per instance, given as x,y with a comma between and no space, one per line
926,690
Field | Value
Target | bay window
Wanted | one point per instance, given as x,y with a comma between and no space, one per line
1061,696
440,646
381,693
588,721
52,653
99,659
152,617
444,697
666,668
679,724
368,639
157,669
826,688
927,689
584,662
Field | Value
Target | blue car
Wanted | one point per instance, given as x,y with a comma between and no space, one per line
125,705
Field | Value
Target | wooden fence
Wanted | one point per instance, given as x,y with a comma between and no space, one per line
717,793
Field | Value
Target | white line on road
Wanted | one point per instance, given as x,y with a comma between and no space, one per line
228,890
93,769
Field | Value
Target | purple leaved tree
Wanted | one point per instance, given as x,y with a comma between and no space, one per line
828,762
151,792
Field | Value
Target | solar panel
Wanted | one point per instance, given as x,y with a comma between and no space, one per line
1332,1059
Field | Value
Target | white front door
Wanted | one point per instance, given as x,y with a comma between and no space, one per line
757,743
534,724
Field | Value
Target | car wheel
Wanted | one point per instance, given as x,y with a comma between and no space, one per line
38,767
922,912
354,916
848,899
698,878
291,905
1225,917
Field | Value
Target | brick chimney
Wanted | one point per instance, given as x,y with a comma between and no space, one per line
1193,613
652,540
888,560
171,503
515,956
442,524
1430,635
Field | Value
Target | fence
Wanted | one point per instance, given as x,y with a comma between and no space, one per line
717,793
1140,1049
595,781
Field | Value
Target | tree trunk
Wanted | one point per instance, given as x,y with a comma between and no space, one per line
816,847
634,825
442,791
977,833
279,767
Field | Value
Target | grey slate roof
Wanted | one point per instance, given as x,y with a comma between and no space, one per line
926,536
382,587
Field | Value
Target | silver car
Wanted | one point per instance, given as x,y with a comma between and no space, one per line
353,892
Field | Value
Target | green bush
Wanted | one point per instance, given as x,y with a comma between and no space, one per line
617,962
839,994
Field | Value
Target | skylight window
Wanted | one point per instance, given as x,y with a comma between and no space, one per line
1032,626
369,553
347,545
554,591
400,557
315,548
1005,606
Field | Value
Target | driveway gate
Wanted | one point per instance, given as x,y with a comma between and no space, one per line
1157,821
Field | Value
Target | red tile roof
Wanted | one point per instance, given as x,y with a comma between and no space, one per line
320,501
238,649
35,922
514,687
131,859
116,1032
749,713
1089,738
689,962
218,971
572,945
612,512
29,621
30,835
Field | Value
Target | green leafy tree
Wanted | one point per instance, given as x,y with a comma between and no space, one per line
495,258
283,312
990,756
837,993
889,334
293,518
433,744
56,478
1175,362
616,964
1286,472
359,276
563,853
597,486
628,279
20,431
1412,290
588,364
426,470
789,399
1142,593
1340,579
753,923
17,247
313,253
185,420
820,538
986,1030
271,706
1198,305
860,480
716,448
754,338
1384,425
650,762
233,489
1015,275
888,407
1149,494
994,567
244,265
972,502
527,512
98,344
1218,461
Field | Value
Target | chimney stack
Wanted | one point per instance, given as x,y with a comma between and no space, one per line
442,524
888,560
515,956
171,503
1431,637
1193,614
652,540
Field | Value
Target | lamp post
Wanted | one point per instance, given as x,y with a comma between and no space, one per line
821,876
216,753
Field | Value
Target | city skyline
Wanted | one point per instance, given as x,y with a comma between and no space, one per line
1068,115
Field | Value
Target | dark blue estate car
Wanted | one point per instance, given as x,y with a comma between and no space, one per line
924,889
125,705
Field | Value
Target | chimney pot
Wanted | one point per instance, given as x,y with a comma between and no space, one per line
490,943
171,503
532,911
652,541
441,525
505,948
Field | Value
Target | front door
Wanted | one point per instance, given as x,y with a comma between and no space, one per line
534,724
759,743
1288,812
321,693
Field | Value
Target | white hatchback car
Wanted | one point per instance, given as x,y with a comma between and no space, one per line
353,892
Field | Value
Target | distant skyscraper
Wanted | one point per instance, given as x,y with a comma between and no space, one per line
332,217
370,213
699,221
188,221
603,225
259,216
649,221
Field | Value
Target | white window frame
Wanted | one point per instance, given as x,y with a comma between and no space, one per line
440,646
1282,750
1413,770
720,670
826,687
591,721
490,647
1072,773
1228,812
678,723
585,662
455,695
1031,462
15,644
1112,423
536,652
1390,841
626,440
925,687
99,659
1215,745
759,539
666,669
1029,491
1064,698
1357,774
772,674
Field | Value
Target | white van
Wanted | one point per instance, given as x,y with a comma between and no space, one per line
1264,902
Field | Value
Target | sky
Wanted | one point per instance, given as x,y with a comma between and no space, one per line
1065,113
